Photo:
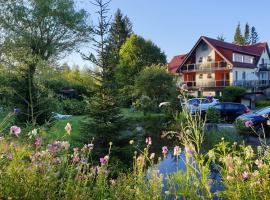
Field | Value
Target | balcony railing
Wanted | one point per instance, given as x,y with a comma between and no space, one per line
252,83
208,66
205,84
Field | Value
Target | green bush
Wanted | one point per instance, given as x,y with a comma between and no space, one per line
213,137
233,93
213,115
74,107
262,103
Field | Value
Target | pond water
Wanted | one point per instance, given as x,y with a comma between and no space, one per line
171,164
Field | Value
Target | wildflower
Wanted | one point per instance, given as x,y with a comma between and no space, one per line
76,157
15,130
176,151
189,149
148,141
255,173
164,104
9,156
165,151
104,160
249,153
110,143
52,147
248,123
245,175
229,178
38,142
259,163
65,145
152,156
2,138
32,133
131,142
167,192
68,128
90,146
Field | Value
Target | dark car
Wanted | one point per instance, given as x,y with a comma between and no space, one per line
259,118
230,111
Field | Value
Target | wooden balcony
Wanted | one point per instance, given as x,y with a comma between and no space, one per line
207,84
205,67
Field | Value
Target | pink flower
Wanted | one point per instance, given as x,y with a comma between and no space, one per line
15,130
104,160
189,149
165,150
38,142
176,151
248,123
76,157
148,141
245,175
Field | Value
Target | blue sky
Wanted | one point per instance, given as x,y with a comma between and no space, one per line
175,25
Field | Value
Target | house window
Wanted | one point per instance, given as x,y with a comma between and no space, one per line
209,58
244,75
209,75
204,47
200,76
200,59
236,75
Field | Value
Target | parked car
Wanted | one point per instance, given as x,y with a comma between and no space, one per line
259,118
199,104
230,111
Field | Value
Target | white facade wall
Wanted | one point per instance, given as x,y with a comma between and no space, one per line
250,74
264,56
204,53
205,80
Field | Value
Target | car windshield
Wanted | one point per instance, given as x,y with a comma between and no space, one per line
263,111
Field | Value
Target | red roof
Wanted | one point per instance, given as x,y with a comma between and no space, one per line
226,50
254,49
175,63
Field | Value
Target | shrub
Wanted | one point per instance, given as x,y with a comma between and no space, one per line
233,93
262,103
74,107
213,115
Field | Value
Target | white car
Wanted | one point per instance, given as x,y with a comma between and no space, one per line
199,104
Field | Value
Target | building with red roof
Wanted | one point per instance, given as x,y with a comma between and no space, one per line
212,65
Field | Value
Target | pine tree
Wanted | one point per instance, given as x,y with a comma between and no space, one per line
104,113
247,34
221,38
254,38
120,30
238,38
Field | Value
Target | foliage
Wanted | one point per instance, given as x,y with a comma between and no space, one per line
36,32
254,37
74,107
238,37
120,30
135,55
105,120
213,115
262,103
154,86
232,93
213,137
221,38
247,36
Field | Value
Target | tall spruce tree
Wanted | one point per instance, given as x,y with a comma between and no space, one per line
247,34
104,114
238,37
121,29
254,37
